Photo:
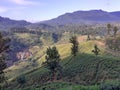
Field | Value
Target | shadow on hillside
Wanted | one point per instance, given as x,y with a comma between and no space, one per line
84,69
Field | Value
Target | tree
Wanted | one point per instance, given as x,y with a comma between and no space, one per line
4,46
113,43
109,28
115,30
96,50
88,37
52,61
21,79
74,48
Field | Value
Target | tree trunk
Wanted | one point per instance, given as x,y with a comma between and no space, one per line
54,76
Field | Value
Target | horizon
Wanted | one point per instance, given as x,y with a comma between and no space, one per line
53,17
36,11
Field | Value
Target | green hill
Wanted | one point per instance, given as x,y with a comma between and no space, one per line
84,69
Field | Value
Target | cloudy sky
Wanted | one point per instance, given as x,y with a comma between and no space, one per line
38,10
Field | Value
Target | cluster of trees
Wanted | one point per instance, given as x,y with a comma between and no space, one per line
25,30
113,39
53,57
113,43
110,29
4,47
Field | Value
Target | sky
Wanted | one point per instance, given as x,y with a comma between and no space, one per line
39,10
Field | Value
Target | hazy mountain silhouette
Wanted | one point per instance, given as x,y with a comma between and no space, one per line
117,13
6,23
92,16
77,17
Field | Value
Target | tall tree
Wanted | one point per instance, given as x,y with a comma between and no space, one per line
4,46
52,61
96,50
115,29
109,28
88,37
74,48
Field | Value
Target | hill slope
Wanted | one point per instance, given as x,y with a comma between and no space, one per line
84,69
117,13
6,23
87,17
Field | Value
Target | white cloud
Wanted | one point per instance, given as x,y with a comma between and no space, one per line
23,2
3,9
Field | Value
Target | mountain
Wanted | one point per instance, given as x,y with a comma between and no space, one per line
77,17
6,23
87,17
40,26
117,13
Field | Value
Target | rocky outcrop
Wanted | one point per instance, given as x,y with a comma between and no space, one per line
24,55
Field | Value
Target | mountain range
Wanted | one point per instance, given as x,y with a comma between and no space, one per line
85,17
6,23
77,17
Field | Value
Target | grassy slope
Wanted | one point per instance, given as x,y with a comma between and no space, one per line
83,69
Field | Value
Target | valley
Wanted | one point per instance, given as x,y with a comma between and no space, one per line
95,65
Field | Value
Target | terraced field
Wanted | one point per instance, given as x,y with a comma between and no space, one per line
84,69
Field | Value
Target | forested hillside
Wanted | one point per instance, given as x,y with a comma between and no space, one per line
61,56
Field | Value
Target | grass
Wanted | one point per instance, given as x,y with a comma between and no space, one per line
62,86
85,68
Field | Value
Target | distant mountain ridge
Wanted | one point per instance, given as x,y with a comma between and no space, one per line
77,17
92,16
117,13
6,23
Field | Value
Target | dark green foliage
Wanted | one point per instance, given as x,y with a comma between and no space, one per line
24,30
113,43
88,37
74,48
96,50
55,37
109,87
21,79
109,28
3,49
2,67
52,61
115,29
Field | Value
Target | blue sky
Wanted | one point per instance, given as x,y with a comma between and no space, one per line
38,10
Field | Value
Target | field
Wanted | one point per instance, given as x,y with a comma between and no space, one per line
84,69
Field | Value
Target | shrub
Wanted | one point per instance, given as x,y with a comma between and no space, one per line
109,87
21,79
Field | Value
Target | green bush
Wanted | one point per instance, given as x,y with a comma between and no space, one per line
21,79
109,87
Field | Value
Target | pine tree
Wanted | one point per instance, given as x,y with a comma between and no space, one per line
96,50
74,48
109,28
3,49
52,61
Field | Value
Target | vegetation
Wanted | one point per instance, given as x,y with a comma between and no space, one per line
96,50
52,61
115,31
47,69
109,28
113,43
21,79
74,48
78,69
3,49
